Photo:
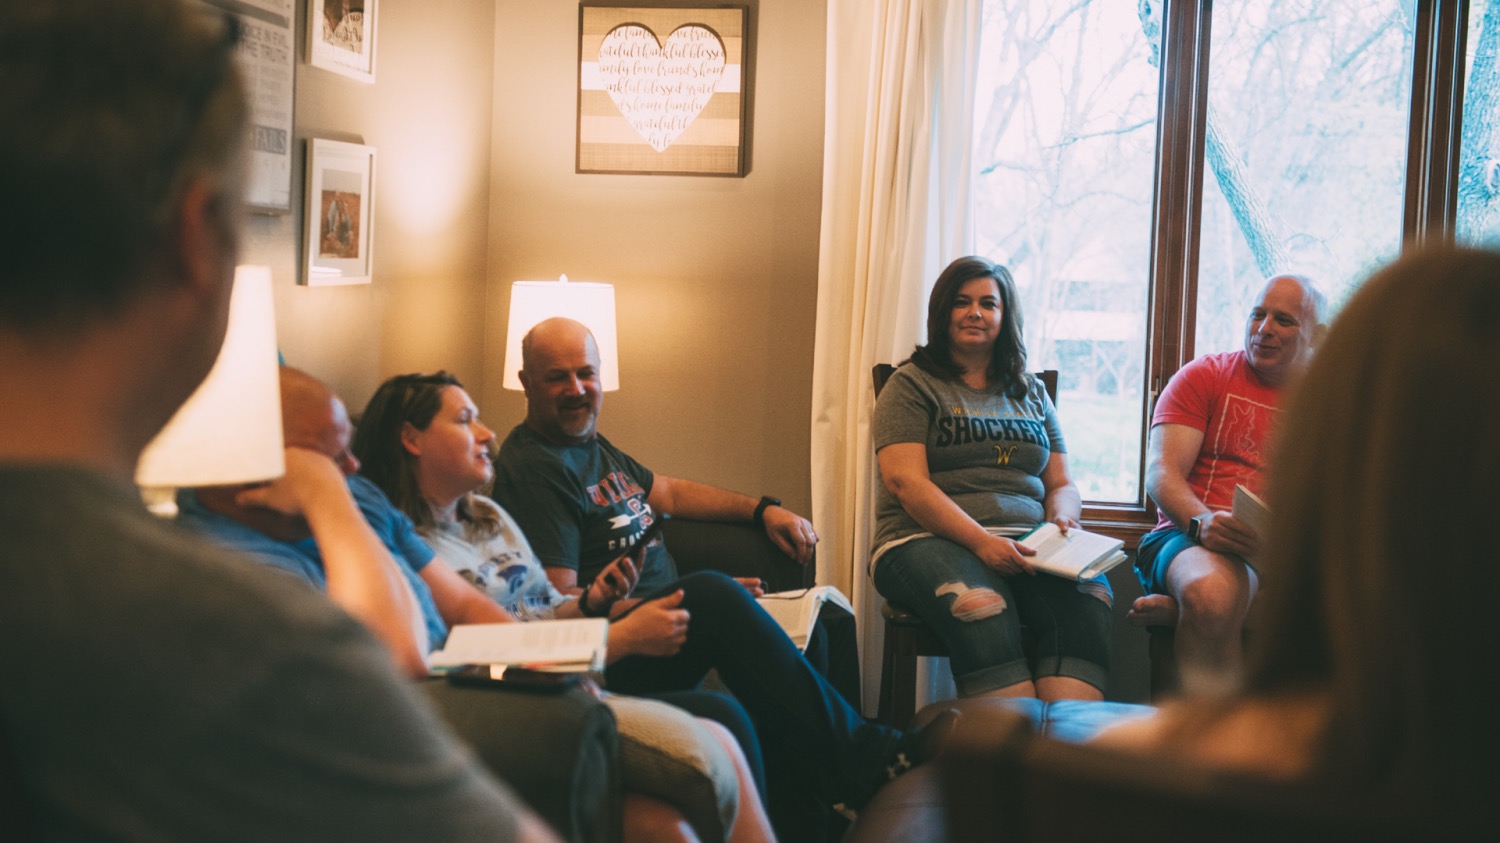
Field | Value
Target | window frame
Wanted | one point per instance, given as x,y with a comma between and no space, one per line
1434,134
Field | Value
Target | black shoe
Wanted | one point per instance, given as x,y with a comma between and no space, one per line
911,750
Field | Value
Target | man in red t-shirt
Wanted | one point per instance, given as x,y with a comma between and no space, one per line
1210,432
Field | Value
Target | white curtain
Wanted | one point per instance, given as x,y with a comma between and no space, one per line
896,209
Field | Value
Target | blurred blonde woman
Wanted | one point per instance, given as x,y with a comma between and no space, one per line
1371,672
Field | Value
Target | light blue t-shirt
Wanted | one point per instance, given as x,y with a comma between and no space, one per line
303,559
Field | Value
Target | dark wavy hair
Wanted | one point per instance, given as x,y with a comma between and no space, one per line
404,399
1008,356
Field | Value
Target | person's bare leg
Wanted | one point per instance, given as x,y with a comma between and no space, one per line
648,819
1213,594
1051,688
751,825
1153,610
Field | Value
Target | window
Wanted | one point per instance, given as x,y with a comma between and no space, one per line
1143,167
1478,214
1065,148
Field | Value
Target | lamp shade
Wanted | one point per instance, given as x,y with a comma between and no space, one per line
591,304
229,430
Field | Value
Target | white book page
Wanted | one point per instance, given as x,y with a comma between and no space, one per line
1249,508
567,642
795,611
1078,554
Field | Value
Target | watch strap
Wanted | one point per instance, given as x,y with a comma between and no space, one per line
760,509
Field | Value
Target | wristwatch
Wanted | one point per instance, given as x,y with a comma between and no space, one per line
760,509
1195,527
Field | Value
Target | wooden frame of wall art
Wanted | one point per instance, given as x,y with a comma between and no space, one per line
663,90
340,213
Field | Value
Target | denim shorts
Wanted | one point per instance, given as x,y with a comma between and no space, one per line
940,580
1155,552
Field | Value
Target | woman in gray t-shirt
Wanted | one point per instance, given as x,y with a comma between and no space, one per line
971,454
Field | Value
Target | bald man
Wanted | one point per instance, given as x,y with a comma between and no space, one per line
337,531
581,500
1209,434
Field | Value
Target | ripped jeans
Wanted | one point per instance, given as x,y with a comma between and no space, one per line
956,595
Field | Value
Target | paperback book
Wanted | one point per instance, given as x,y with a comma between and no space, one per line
566,645
1075,555
797,610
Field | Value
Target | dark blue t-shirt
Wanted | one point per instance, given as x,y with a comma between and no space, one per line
581,506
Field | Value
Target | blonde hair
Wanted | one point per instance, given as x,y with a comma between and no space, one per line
1380,570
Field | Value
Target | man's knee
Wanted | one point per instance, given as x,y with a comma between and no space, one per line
1216,601
710,582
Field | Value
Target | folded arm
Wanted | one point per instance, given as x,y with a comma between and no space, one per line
363,577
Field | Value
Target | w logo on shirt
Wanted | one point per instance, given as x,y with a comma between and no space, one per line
1003,454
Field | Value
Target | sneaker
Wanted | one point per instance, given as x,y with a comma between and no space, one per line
912,749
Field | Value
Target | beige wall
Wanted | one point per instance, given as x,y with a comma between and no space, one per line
715,278
428,115
473,116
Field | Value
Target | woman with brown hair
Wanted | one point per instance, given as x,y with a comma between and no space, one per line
421,441
971,457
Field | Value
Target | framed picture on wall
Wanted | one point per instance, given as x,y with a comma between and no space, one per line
663,90
266,57
340,213
341,37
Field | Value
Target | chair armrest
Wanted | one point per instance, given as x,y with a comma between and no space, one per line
739,549
559,752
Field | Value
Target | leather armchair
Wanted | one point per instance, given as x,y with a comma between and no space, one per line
739,549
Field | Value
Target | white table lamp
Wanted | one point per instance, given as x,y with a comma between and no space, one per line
229,430
592,304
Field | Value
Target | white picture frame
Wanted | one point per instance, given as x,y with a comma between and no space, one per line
341,37
339,217
266,57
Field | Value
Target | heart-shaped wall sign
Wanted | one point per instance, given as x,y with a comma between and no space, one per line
661,88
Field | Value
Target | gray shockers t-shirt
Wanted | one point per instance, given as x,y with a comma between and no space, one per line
985,450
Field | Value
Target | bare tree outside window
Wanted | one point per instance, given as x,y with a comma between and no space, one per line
1305,161
1065,147
1479,161
1306,146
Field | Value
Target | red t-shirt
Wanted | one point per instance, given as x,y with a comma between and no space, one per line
1222,396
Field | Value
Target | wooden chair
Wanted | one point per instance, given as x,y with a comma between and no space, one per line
906,636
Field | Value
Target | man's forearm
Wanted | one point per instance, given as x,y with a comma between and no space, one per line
363,579
1175,497
700,501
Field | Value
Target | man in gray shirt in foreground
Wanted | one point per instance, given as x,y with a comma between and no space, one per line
153,686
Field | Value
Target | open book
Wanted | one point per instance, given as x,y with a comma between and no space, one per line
570,645
1249,508
1077,555
796,610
